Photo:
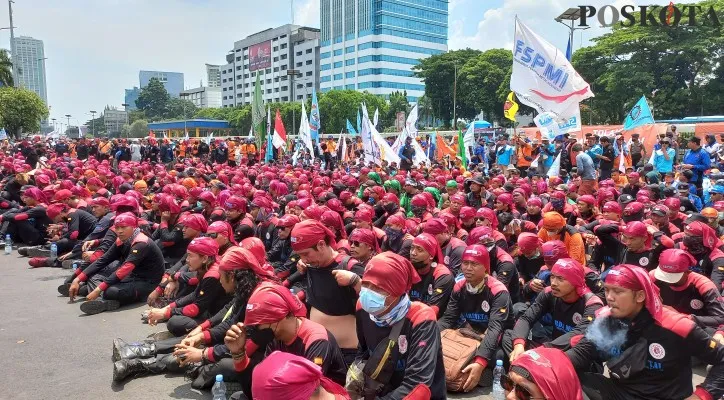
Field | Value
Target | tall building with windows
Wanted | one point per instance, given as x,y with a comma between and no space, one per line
30,62
372,45
286,59
172,81
213,75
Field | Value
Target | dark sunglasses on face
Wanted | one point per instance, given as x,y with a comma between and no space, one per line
354,243
479,219
521,393
212,235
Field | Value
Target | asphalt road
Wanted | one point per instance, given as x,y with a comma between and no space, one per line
50,349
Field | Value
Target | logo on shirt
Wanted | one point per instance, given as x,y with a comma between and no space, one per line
485,306
644,261
402,343
429,289
447,260
657,351
697,304
318,361
577,318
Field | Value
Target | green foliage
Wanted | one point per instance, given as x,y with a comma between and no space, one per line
153,100
398,102
21,111
684,64
180,109
6,69
96,125
138,129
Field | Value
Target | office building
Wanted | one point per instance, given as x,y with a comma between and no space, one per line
131,97
172,81
274,54
213,75
372,45
114,120
29,59
203,97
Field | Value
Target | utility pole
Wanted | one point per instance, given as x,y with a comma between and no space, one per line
68,117
455,96
93,123
12,45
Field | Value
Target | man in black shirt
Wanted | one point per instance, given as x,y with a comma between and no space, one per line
606,159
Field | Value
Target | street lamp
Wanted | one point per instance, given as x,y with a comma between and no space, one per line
68,117
53,119
572,15
293,73
93,123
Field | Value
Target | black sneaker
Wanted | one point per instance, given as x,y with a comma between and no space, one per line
64,289
38,251
68,264
98,306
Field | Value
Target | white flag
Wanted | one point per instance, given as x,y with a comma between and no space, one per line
376,117
555,168
534,164
542,77
411,122
304,132
208,139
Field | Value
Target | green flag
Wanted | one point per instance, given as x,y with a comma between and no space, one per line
257,115
461,149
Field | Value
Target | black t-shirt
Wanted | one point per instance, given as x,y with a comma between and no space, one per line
323,292
608,153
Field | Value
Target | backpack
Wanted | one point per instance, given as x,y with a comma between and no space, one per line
458,349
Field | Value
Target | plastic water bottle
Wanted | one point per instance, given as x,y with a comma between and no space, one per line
8,244
498,393
53,250
219,390
75,267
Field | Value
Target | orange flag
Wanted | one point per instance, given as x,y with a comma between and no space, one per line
443,149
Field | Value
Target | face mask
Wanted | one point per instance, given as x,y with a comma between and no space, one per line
371,301
198,204
262,337
475,289
418,211
695,245
419,264
390,208
393,235
396,314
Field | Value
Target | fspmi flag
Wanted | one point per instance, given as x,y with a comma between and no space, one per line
510,108
639,115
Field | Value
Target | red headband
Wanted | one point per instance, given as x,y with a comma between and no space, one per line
392,273
478,253
429,243
204,246
572,271
633,277
308,233
222,228
125,220
271,303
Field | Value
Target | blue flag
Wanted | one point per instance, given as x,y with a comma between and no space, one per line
569,50
269,156
359,121
350,128
315,122
639,115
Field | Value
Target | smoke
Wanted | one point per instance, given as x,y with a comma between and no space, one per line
607,334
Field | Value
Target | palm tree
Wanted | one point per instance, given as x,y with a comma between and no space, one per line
6,69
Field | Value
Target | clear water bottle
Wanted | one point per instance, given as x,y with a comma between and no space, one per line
8,244
498,393
53,250
219,390
75,267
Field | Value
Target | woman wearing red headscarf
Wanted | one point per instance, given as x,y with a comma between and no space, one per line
646,346
543,373
484,304
384,304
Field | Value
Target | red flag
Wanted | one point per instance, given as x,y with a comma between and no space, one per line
279,140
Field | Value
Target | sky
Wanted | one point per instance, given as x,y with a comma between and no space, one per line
95,48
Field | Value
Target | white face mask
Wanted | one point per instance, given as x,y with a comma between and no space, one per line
475,289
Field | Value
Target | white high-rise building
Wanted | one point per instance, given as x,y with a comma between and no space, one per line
372,45
213,75
30,63
274,54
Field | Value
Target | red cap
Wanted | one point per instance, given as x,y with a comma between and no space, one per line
612,206
429,243
467,213
672,265
100,201
435,226
528,242
286,376
633,277
55,209
62,195
288,220
477,253
204,246
125,220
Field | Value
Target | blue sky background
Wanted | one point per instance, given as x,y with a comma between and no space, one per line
95,48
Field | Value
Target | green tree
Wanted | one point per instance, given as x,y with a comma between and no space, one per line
138,129
96,125
682,64
397,102
6,69
153,100
424,109
21,110
438,73
180,109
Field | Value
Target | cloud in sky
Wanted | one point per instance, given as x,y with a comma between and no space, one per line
95,48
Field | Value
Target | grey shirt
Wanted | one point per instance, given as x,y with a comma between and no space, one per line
586,169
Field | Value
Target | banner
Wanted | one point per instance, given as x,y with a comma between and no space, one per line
280,134
257,115
411,123
304,136
542,77
350,129
510,108
260,56
551,126
376,118
639,115
315,120
462,149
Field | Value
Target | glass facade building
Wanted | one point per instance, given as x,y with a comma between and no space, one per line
373,44
30,62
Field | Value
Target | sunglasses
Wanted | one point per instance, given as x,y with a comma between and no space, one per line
212,235
521,393
355,243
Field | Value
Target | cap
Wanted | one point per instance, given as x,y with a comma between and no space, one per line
660,210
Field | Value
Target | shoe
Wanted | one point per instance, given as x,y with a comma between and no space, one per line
159,336
64,289
129,351
124,369
98,306
39,262
23,251
37,251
